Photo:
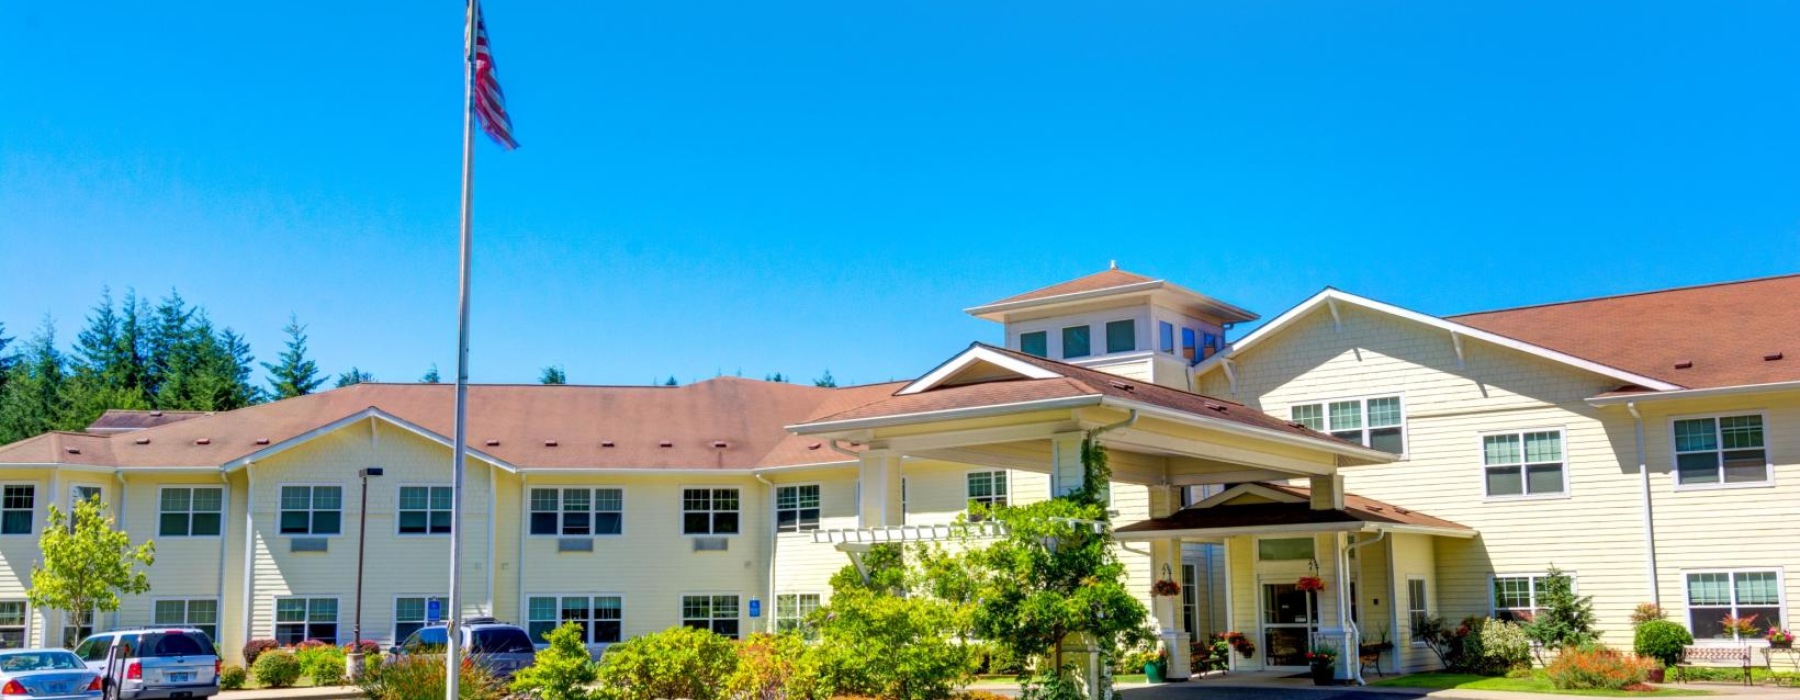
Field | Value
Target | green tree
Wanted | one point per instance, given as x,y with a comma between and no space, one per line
431,375
1567,619
826,381
294,374
561,671
36,399
109,354
205,369
671,381
354,375
775,377
6,358
553,374
85,567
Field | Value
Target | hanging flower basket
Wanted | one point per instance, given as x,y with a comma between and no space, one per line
1310,584
1165,588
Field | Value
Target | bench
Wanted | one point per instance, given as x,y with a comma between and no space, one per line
1713,657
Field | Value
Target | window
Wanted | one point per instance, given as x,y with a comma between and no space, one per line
709,511
425,510
300,619
792,609
191,512
1076,341
987,488
577,512
12,624
1165,337
77,628
1713,596
1035,343
1722,450
797,507
413,613
1121,336
1417,607
17,509
1210,344
1375,423
80,493
1190,598
1285,549
1524,464
1516,597
311,510
718,613
1190,350
201,613
602,617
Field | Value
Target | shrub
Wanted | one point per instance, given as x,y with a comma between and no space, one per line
256,647
562,671
276,669
1661,640
1567,620
422,678
1503,646
774,667
323,663
232,677
1647,612
368,647
679,662
1597,668
914,639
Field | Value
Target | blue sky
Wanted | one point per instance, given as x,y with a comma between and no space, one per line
711,187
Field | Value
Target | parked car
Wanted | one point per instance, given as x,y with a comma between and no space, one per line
148,664
501,648
47,674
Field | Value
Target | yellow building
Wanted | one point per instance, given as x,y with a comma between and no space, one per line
1415,465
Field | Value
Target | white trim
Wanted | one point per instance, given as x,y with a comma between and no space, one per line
1532,587
559,488
681,494
1562,446
342,509
1675,454
224,510
274,616
681,617
775,507
1613,399
998,409
976,353
1256,552
1425,583
394,637
1363,416
1328,445
367,413
218,622
1215,533
37,506
624,612
428,510
1264,490
1214,306
1329,295
1781,598
1005,481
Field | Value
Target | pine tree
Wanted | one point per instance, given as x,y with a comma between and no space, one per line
109,368
206,370
776,377
295,374
353,376
553,374
6,359
1567,620
826,381
431,375
167,343
36,398
671,381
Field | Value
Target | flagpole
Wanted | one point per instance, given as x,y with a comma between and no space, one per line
453,618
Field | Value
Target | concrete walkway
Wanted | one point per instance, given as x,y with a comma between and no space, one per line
337,692
1272,686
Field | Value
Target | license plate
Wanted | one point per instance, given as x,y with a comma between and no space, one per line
181,677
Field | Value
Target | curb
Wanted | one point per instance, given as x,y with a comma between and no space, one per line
341,692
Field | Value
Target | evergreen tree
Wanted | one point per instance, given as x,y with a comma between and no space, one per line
206,370
671,381
168,343
776,377
431,375
553,374
109,368
36,399
1567,620
353,376
295,374
6,359
826,381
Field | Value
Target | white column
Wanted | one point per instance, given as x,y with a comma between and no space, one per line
880,482
1165,562
1066,470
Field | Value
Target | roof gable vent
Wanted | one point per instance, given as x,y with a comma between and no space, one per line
665,443
493,443
74,450
719,444
262,441
607,443
203,441
143,441
1122,385
1684,364
1771,357
549,443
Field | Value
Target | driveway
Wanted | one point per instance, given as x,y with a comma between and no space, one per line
1210,690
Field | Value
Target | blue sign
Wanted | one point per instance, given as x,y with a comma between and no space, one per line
755,608
434,610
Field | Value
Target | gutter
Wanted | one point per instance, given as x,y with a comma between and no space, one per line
1672,394
1637,420
1081,401
1200,421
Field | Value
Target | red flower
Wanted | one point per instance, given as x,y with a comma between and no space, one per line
1310,583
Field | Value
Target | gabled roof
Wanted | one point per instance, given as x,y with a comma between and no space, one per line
1330,297
1109,283
1287,508
1708,336
1021,381
1104,279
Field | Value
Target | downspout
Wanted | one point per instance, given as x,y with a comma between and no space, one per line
493,514
249,548
523,610
769,521
1354,635
225,504
1129,421
1649,520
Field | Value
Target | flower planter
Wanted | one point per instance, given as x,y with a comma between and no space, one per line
1155,671
1324,674
1656,675
1789,644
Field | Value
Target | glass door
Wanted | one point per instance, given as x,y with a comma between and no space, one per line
1287,622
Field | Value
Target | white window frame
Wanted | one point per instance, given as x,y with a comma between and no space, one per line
624,497
187,613
1063,346
1425,588
1687,619
1768,452
1021,342
1106,330
224,505
783,614
798,527
24,626
1364,399
424,614
275,622
92,627
398,488
1005,482
36,505
587,631
343,509
1174,345
681,609
1256,547
1532,576
681,493
1562,437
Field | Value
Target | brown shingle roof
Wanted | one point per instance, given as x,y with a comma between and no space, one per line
1100,280
1356,509
115,419
1722,333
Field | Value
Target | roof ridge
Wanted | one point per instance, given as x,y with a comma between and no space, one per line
1624,295
1109,376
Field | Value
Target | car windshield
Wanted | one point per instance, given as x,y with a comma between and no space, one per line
175,643
502,640
16,662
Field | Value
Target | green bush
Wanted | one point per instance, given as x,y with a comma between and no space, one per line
775,667
1567,620
1503,646
1661,640
885,646
321,662
256,647
232,677
422,678
679,662
276,668
1597,668
562,671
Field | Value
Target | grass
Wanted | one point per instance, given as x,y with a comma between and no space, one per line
1537,683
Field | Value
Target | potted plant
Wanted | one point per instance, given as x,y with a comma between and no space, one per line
1310,584
1165,588
1739,627
1661,640
1240,643
1156,665
1322,660
1780,638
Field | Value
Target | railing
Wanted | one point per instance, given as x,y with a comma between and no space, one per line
908,533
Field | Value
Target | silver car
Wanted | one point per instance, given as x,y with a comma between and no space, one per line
146,664
47,674
499,647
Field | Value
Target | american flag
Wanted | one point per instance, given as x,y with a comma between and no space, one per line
490,100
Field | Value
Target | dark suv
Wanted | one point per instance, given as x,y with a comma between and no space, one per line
174,662
499,647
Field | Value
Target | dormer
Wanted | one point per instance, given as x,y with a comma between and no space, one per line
1117,321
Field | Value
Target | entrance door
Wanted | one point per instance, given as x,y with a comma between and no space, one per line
1287,621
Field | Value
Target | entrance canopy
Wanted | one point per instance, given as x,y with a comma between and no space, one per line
1269,509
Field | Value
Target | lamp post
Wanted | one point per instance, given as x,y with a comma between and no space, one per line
354,660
